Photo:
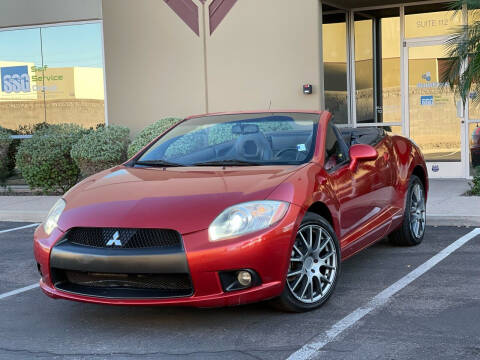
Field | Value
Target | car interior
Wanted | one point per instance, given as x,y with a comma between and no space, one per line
250,143
364,135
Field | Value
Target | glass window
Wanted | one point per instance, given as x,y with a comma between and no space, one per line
335,66
393,130
474,115
254,139
377,66
474,105
364,69
434,125
389,103
335,151
52,74
474,146
21,96
426,20
73,74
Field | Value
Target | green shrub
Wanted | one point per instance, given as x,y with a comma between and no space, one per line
5,145
45,161
149,133
101,149
30,129
475,184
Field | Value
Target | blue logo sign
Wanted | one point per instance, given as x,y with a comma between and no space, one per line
15,79
426,100
427,76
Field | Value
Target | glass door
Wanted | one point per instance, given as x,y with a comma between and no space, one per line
432,119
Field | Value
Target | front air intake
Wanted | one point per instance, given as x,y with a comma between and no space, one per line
122,238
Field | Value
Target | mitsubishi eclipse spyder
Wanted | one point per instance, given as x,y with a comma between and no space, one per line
234,208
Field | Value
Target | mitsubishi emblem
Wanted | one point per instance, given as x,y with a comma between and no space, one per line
115,240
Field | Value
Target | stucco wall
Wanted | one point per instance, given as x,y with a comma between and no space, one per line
153,63
264,51
261,52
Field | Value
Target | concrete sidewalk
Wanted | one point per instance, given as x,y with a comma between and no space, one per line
25,208
446,205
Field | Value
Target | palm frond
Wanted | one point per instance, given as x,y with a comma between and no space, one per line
462,73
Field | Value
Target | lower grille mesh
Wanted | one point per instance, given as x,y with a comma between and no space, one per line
123,285
137,281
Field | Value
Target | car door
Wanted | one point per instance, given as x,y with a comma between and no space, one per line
382,174
357,191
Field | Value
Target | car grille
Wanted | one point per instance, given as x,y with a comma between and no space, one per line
124,238
138,281
123,285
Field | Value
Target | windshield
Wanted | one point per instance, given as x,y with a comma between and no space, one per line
236,140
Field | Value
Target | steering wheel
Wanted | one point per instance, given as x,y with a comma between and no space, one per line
278,155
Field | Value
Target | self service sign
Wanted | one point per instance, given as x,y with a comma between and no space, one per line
15,79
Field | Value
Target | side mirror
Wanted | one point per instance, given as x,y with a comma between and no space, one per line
361,152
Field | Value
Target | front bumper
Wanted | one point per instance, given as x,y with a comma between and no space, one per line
266,252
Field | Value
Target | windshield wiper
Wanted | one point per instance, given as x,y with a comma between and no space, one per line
159,163
226,163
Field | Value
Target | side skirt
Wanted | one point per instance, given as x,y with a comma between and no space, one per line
371,232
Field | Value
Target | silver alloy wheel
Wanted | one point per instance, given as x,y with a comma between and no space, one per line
417,211
313,264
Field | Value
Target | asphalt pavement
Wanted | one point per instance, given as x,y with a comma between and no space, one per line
436,316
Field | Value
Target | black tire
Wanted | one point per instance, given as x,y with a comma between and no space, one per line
404,235
287,301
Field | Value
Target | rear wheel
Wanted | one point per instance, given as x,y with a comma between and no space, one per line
314,266
413,227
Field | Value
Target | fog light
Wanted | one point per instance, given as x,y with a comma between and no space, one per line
244,278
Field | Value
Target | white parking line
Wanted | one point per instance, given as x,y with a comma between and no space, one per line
18,228
318,342
26,288
18,291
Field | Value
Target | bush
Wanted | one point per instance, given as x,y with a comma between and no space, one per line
475,184
149,133
5,147
45,161
101,149
30,129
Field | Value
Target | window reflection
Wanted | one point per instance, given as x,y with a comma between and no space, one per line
433,118
474,147
390,100
21,98
377,66
420,23
63,85
335,66
364,71
393,130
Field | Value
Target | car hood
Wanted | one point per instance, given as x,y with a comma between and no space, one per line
183,199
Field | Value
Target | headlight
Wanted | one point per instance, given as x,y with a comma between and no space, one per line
245,218
53,216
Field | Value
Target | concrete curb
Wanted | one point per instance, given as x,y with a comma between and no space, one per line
447,220
23,216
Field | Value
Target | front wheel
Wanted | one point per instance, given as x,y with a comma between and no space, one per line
314,266
412,230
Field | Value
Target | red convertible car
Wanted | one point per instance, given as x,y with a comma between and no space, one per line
227,209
